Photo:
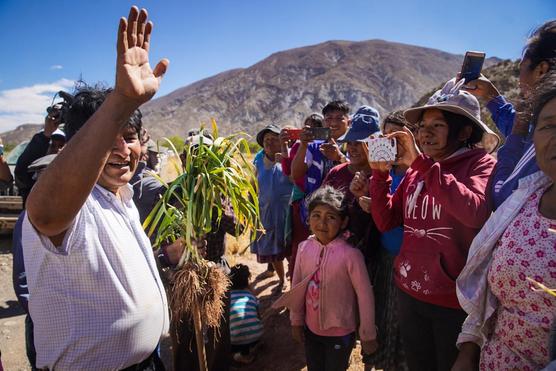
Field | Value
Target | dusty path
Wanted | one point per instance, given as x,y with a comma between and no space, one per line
279,351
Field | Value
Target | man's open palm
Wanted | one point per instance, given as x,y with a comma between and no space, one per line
134,77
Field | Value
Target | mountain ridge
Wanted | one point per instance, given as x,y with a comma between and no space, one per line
286,86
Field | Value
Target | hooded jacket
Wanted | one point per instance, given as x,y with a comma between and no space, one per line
442,206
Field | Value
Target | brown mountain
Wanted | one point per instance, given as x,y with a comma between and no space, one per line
288,85
20,134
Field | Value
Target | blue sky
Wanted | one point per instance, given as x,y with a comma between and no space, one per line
47,44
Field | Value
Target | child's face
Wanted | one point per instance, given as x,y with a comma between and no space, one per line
326,223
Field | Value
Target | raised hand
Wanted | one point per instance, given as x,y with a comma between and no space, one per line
407,147
482,88
135,80
52,121
331,150
359,185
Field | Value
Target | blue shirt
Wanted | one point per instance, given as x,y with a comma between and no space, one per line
516,159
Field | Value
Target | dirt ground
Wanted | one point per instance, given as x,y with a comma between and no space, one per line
278,352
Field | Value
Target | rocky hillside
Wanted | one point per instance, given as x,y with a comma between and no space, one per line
20,134
288,85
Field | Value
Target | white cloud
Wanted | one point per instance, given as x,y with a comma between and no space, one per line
56,67
28,104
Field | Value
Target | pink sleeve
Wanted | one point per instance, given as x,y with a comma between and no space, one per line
465,200
386,209
365,295
297,314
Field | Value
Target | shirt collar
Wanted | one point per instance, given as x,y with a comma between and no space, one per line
125,192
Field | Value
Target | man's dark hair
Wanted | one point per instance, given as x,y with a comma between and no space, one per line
88,99
239,275
544,92
336,105
541,45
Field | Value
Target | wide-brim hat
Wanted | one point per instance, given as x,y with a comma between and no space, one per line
41,163
269,128
364,123
452,99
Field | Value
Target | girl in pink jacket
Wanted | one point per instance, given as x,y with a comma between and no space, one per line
332,296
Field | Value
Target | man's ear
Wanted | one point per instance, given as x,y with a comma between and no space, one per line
541,69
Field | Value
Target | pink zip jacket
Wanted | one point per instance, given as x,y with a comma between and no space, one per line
346,294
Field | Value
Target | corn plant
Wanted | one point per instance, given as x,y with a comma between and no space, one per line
211,176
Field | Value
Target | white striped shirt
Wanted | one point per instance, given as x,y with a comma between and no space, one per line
97,301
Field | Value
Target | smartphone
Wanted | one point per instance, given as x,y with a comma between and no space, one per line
382,149
320,133
472,65
294,134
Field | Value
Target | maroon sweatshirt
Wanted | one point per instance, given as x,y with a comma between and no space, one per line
441,216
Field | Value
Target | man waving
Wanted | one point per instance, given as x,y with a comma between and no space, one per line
96,298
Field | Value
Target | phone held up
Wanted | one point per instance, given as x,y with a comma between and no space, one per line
294,134
382,149
472,66
321,133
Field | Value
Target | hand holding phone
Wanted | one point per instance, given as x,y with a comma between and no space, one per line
382,149
472,66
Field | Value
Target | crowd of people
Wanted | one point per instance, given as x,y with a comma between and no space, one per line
442,259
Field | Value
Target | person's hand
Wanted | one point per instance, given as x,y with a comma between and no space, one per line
284,134
331,150
359,185
51,122
382,166
365,203
306,136
174,251
298,334
278,157
408,150
482,88
468,358
135,80
369,346
201,245
522,118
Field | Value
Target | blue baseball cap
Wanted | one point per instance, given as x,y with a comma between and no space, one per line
364,123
